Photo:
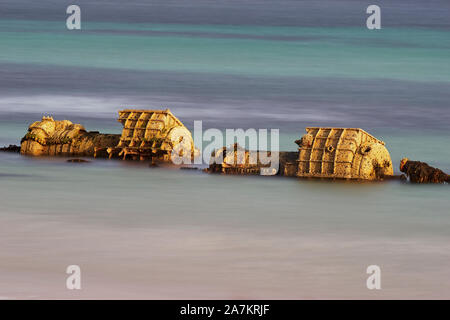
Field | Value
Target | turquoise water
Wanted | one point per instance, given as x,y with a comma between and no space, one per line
395,53
140,232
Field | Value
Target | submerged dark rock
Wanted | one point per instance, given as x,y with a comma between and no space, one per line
77,161
11,148
421,172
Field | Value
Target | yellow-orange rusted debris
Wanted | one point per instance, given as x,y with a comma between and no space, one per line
50,137
346,153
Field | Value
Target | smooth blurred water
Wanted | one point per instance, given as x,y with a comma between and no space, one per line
140,232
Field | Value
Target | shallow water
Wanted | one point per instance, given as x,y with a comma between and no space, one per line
140,232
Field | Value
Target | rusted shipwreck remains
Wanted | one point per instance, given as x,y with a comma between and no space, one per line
237,160
151,134
326,153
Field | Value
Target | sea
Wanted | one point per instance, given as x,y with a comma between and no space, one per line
162,233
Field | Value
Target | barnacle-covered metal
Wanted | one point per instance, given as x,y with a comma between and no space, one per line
152,134
346,153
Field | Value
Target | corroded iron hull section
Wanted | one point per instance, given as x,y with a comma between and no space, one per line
342,153
239,161
63,138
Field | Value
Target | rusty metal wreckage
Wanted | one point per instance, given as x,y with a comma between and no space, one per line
324,152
